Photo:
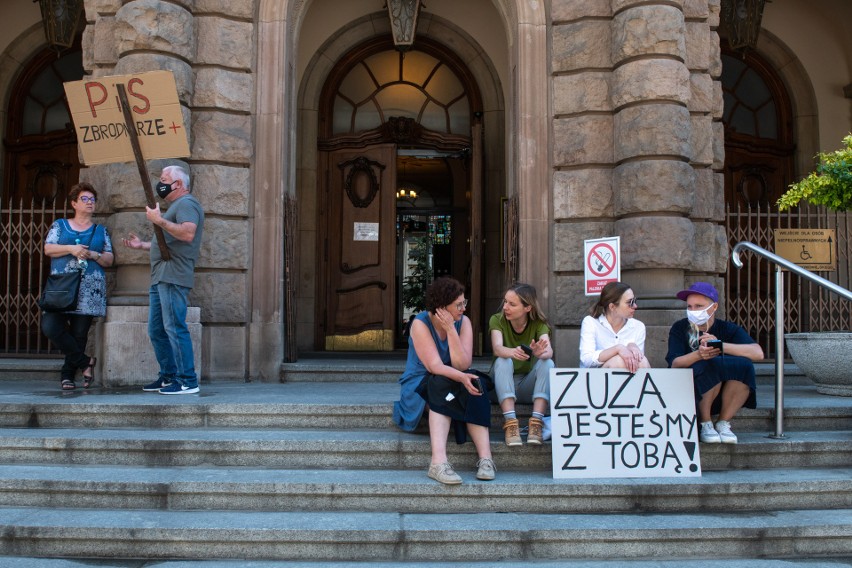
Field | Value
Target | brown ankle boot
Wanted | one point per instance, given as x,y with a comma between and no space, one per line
513,433
534,435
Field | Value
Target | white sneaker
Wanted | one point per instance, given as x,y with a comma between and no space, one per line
723,427
708,434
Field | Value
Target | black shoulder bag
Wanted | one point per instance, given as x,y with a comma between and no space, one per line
61,290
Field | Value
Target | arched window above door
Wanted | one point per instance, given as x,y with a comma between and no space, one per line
750,107
413,85
44,109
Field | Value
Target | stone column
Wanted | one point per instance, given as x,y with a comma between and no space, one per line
637,151
662,149
127,39
532,136
653,180
582,156
210,55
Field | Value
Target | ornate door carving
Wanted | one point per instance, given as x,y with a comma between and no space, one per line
358,263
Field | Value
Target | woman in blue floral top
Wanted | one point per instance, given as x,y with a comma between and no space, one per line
73,244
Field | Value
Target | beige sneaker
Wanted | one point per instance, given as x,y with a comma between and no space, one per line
513,433
444,473
534,436
486,470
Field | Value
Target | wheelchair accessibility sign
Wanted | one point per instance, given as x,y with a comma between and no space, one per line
812,249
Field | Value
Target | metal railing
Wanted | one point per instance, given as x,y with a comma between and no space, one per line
780,264
807,307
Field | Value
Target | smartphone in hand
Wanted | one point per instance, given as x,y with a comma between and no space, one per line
477,384
715,343
526,349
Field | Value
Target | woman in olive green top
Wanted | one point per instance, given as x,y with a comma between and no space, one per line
523,358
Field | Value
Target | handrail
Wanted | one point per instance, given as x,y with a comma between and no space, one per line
779,315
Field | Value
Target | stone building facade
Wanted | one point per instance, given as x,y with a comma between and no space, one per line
596,117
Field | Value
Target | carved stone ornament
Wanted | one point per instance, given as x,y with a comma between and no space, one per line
402,130
361,183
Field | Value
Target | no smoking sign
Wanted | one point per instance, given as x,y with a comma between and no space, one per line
602,262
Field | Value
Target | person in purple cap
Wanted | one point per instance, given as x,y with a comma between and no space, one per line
723,373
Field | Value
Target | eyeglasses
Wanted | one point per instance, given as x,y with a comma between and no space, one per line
461,305
632,303
87,199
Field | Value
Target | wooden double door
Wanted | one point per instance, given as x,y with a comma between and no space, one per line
357,237
357,306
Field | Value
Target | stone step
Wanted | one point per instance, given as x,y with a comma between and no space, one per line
363,449
410,491
30,368
20,562
392,536
319,406
314,368
388,369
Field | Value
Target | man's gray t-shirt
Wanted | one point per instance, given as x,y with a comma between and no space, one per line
180,269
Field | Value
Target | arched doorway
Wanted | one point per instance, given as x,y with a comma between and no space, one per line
40,166
759,147
385,116
759,165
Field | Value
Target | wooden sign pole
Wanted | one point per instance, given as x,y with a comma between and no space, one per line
143,169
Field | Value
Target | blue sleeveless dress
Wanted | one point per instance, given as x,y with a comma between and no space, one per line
409,408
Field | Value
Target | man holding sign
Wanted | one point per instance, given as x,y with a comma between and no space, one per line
172,280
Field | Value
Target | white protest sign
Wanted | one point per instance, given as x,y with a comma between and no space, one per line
602,263
613,423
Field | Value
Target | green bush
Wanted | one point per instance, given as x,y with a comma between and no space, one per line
829,185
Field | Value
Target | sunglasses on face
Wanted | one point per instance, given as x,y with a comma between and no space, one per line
87,199
632,303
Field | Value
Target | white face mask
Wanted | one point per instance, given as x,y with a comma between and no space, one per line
699,317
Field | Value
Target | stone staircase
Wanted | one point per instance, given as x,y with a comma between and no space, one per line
311,472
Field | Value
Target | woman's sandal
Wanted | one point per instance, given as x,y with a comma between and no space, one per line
68,385
89,379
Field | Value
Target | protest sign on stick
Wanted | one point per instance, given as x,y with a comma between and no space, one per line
143,168
111,129
613,423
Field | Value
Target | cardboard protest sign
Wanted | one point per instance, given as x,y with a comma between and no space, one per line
613,423
102,131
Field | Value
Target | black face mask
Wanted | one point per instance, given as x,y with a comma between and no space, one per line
163,189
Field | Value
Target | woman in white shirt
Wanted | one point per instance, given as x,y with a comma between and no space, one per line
610,337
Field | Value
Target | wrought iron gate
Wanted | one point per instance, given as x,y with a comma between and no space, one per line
750,291
23,228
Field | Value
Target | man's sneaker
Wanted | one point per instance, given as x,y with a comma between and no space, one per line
177,388
534,437
157,385
444,473
513,433
708,435
486,470
723,427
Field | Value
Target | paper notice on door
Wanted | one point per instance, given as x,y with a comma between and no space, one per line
366,232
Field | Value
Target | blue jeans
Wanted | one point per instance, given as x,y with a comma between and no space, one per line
170,335
523,388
